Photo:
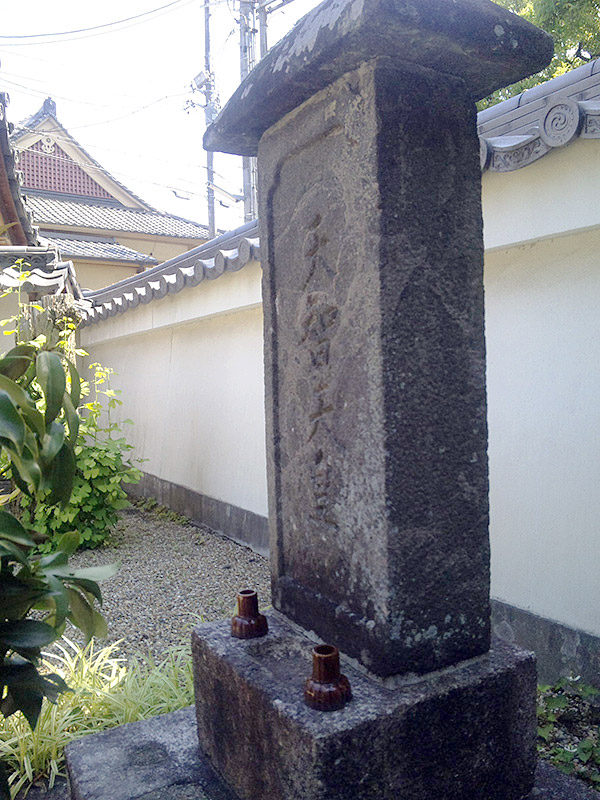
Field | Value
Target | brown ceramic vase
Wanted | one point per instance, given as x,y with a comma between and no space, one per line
248,623
327,689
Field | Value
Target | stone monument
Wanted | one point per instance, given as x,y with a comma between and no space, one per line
364,123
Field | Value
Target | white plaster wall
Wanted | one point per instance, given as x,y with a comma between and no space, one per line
9,307
191,374
543,311
190,366
556,195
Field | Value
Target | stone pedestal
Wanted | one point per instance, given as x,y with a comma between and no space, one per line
462,733
363,119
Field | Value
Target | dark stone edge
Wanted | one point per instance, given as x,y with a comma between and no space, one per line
560,650
550,783
243,526
110,753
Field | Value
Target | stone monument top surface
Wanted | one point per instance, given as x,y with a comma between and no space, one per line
477,41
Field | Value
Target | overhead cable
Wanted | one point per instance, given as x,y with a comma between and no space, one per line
93,27
93,33
102,170
92,145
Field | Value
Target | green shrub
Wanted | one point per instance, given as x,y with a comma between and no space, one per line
104,692
102,466
39,393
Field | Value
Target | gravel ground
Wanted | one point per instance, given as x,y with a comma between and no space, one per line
172,576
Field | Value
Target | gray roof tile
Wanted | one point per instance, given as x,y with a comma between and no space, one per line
59,279
523,129
49,211
227,253
105,249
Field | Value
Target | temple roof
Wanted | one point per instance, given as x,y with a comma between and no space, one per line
49,210
97,248
64,185
46,121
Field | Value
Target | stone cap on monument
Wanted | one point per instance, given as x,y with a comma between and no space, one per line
477,41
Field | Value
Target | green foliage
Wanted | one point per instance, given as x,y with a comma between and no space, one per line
568,733
575,27
104,692
152,506
39,391
101,469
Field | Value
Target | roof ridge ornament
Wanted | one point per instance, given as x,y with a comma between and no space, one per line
561,123
558,124
49,107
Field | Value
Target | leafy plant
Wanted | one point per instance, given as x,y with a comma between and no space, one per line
104,693
39,425
101,469
573,24
568,734
152,506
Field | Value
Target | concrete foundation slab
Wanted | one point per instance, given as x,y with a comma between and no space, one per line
463,733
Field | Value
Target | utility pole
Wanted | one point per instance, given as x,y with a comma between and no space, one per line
249,9
262,27
209,115
266,7
247,62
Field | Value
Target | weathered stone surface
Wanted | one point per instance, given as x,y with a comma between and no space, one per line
550,784
374,360
145,760
466,733
475,40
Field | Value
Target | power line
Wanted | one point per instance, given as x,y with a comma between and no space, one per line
49,83
39,93
35,92
181,4
227,38
70,141
111,175
93,28
130,113
34,58
102,170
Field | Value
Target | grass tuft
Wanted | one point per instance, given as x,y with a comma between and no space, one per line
105,692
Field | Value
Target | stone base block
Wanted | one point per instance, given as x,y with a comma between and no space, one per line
111,766
464,733
157,759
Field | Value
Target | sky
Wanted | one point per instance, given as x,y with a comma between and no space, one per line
125,92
